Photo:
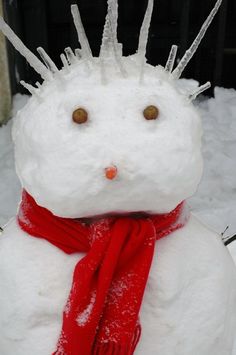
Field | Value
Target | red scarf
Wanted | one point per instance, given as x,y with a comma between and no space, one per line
101,314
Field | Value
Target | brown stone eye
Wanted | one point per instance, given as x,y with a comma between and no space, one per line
151,112
80,116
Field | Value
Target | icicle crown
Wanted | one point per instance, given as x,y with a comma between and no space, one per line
110,52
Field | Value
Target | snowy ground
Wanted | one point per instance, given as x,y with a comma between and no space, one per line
215,201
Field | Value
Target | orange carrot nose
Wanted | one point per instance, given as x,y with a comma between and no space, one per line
111,172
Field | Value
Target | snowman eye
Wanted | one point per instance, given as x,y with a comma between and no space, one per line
80,115
151,112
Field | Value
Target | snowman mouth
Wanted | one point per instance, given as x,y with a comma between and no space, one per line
135,215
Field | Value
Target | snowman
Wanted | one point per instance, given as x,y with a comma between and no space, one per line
104,256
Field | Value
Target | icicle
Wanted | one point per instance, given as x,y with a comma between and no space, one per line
190,52
47,60
70,55
64,60
30,88
33,61
103,71
143,37
83,40
199,90
78,53
38,84
109,39
105,46
112,13
171,59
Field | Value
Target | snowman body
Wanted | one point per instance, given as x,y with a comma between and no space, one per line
188,306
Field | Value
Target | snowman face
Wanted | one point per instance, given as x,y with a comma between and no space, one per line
85,148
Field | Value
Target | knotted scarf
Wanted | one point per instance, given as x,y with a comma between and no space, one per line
101,314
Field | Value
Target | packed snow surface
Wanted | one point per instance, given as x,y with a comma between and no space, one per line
215,200
61,163
30,315
36,279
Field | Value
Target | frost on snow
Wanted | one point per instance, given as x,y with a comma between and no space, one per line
83,317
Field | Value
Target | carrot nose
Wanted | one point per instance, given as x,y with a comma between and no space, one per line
111,172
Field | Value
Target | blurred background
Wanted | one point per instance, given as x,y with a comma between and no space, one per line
48,23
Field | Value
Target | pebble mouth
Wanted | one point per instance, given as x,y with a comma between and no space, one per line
136,215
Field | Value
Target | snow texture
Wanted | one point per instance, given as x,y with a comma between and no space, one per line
159,162
35,295
34,311
58,159
83,317
215,200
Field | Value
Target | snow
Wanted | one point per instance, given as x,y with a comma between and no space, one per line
159,163
215,200
33,312
58,159
9,183
83,317
32,270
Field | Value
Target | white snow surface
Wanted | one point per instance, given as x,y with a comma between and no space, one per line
215,200
191,290
191,267
61,164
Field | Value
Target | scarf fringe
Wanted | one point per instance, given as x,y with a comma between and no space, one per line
112,348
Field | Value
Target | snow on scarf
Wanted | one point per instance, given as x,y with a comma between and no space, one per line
101,314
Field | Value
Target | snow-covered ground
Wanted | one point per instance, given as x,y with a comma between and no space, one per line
215,200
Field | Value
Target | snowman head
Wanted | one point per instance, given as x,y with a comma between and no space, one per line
108,134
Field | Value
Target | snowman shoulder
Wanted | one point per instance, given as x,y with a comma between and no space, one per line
192,257
17,248
197,239
32,262
191,291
